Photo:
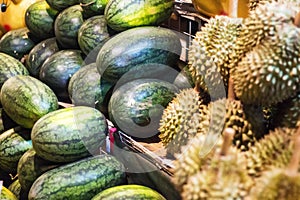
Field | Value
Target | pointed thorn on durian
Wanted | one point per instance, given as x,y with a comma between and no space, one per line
228,134
231,94
292,168
297,20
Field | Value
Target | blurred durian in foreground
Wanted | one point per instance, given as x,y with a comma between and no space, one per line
224,178
279,183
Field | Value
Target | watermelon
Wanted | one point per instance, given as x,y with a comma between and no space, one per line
86,88
16,43
66,27
131,191
10,153
69,134
79,180
138,48
39,19
6,194
15,188
60,5
137,106
30,167
25,99
57,70
39,53
124,14
93,7
9,67
93,34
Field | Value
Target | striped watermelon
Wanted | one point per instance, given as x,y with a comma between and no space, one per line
93,7
60,5
125,14
66,27
10,153
39,53
15,188
9,67
69,134
39,19
131,191
93,34
79,180
6,194
25,99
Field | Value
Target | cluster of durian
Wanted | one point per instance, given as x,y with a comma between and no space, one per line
258,60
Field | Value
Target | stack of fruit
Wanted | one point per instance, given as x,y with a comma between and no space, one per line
78,53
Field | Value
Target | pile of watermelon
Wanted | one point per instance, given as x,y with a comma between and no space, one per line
107,60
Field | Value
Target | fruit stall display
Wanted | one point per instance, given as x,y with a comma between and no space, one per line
97,103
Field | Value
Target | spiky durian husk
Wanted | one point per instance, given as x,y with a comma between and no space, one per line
253,4
263,22
224,178
215,41
270,73
288,112
275,149
180,119
276,184
194,154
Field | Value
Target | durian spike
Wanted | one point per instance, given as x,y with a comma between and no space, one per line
231,94
233,8
227,141
297,20
292,168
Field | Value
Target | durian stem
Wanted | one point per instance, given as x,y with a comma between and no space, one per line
292,168
233,8
231,94
297,20
228,134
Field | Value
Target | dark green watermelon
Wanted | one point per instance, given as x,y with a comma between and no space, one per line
86,88
39,53
60,5
137,106
66,27
138,48
16,43
93,7
57,70
93,34
39,19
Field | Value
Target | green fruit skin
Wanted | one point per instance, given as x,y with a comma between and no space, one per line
57,70
66,27
86,88
15,188
25,99
138,48
123,192
39,53
6,194
69,134
30,167
10,153
60,5
16,43
124,14
39,19
9,67
93,34
93,7
136,107
79,180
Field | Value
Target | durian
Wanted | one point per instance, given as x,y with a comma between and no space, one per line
180,119
224,178
211,46
280,183
288,112
275,149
